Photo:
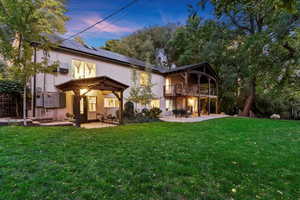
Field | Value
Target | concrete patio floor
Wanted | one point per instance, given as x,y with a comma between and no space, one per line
96,125
192,119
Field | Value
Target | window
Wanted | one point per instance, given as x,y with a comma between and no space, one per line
169,105
168,86
155,103
111,103
144,79
83,69
81,106
92,104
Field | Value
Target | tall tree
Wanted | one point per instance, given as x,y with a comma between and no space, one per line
143,42
24,23
141,93
288,5
263,43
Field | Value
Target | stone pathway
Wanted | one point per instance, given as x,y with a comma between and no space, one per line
96,125
192,119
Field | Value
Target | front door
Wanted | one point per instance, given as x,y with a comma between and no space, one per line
92,108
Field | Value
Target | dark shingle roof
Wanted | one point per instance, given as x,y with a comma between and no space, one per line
74,45
104,54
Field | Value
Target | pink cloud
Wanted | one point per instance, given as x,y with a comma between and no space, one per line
107,26
78,23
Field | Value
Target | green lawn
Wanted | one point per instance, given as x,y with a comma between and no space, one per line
219,159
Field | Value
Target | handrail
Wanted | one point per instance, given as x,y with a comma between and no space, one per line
192,90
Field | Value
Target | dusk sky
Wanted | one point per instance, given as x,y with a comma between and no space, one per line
144,13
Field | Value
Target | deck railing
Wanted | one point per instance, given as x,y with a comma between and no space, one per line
194,90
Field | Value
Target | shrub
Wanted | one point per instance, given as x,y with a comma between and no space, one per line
146,112
154,113
145,115
70,116
10,87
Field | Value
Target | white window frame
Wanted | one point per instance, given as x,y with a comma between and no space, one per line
82,65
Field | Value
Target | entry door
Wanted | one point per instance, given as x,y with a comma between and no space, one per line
92,107
83,109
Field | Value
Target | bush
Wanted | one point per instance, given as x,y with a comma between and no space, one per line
154,113
145,112
145,115
70,116
10,87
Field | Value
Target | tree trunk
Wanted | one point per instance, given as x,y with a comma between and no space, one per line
250,99
24,105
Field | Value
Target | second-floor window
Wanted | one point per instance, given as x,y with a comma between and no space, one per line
144,79
83,69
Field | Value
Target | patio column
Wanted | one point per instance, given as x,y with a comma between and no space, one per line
76,110
120,98
121,108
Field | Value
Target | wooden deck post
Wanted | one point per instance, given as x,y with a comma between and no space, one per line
199,95
217,105
186,103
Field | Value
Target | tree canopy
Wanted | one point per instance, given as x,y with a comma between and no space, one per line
25,27
145,42
253,46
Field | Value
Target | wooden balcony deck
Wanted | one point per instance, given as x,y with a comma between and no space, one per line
194,90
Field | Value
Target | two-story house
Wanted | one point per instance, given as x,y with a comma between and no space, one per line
93,82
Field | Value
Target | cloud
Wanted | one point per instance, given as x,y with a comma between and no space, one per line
79,22
107,26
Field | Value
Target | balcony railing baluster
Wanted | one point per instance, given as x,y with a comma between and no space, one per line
177,90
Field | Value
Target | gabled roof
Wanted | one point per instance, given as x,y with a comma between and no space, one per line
98,83
191,67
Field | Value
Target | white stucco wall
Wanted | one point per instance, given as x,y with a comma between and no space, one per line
115,71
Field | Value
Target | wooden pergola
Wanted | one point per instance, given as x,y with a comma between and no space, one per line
103,83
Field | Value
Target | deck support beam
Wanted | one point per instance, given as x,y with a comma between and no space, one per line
199,100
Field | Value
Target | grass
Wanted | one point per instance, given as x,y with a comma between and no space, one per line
219,159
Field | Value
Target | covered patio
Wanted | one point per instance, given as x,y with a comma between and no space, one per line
81,87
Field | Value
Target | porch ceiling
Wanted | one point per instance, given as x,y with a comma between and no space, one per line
95,83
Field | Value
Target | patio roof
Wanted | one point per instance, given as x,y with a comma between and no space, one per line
206,65
95,83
